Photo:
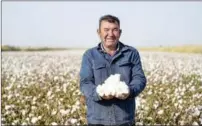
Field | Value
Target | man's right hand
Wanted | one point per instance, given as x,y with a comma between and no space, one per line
107,97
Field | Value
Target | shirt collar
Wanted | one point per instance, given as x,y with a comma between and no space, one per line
103,49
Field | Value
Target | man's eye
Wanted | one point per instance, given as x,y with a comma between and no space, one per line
116,30
106,29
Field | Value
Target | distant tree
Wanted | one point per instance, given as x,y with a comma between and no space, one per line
9,48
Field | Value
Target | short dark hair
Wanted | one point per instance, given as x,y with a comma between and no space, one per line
109,18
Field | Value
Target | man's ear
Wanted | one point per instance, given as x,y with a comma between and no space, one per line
98,31
120,31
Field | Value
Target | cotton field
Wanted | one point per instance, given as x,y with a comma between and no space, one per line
43,88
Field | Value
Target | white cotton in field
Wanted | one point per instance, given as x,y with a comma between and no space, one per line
113,86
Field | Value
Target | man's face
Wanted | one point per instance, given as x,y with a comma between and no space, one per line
109,33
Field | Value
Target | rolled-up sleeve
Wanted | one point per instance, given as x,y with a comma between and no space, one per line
87,86
138,81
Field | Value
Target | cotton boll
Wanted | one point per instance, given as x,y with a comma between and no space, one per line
111,89
54,123
100,90
116,78
108,89
119,95
113,86
109,85
160,112
113,79
195,123
109,80
118,91
123,87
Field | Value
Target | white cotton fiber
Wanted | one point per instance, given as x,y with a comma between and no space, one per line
112,86
100,90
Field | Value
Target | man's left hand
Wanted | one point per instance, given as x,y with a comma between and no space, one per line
123,96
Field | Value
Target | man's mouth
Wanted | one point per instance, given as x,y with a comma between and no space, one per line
110,39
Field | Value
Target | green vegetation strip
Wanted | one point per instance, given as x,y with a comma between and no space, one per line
181,49
13,48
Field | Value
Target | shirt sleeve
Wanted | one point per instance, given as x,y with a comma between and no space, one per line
138,81
87,86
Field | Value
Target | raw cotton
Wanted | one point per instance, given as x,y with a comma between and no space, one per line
113,86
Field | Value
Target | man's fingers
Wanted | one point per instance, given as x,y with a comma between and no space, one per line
107,97
126,95
123,96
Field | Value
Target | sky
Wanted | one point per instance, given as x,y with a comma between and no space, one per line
74,24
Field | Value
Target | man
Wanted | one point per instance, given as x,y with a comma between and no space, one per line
108,58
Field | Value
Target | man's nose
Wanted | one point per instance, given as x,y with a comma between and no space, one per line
110,33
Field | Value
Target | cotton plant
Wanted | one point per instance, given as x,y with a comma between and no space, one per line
113,86
172,95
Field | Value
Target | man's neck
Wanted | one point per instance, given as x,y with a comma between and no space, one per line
110,50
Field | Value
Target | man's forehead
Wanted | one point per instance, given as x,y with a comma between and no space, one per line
106,23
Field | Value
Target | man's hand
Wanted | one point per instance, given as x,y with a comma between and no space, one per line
107,97
123,96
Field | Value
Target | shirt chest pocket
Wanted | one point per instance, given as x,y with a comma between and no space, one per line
125,63
100,72
125,69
